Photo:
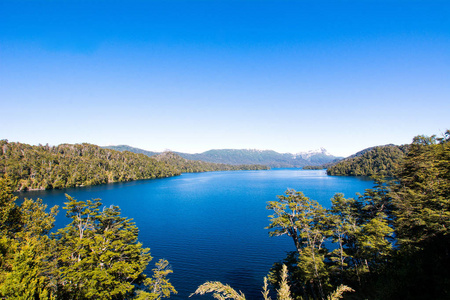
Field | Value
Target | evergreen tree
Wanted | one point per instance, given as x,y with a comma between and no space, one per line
96,256
306,222
422,194
360,231
26,250
422,209
100,257
9,212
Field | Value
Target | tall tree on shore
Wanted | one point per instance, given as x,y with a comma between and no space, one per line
359,228
423,192
26,250
422,209
96,256
100,257
307,223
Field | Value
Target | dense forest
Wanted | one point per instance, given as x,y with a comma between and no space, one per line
376,161
45,167
392,242
96,256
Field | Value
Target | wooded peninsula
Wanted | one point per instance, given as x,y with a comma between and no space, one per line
56,167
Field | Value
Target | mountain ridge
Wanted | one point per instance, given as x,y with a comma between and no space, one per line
269,158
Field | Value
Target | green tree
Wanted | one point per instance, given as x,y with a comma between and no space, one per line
9,212
422,194
359,229
307,223
66,165
158,286
28,276
96,256
100,257
345,228
376,161
25,248
422,210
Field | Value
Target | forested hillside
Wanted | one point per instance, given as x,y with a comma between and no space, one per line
194,166
379,161
392,242
46,167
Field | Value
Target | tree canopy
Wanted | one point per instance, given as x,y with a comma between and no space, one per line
377,161
96,256
45,167
391,242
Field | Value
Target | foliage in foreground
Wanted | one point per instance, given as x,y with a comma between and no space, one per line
392,242
221,291
96,256
359,230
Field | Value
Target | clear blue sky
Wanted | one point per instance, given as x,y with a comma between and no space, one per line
197,75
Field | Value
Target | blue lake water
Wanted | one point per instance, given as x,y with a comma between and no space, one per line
211,226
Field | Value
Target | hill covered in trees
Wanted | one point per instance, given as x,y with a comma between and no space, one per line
269,158
194,166
66,165
374,161
54,167
392,242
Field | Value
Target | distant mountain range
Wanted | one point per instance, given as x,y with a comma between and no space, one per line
269,158
131,149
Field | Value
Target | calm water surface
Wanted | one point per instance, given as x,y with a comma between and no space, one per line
210,226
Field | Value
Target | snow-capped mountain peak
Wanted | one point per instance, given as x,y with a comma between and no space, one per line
308,154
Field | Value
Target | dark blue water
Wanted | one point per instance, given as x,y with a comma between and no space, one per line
210,226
